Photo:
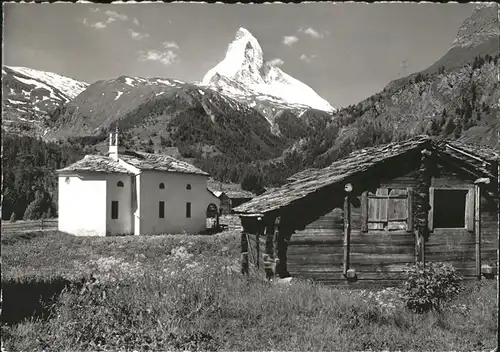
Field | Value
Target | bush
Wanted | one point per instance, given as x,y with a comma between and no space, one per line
13,217
429,285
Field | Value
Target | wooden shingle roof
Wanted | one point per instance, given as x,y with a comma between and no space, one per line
95,163
482,152
312,180
159,162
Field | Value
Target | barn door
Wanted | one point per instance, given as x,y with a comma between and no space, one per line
388,209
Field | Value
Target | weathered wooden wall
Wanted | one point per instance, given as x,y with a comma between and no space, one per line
489,228
458,246
377,255
381,250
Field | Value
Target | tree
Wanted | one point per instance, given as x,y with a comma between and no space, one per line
38,207
449,126
458,130
253,183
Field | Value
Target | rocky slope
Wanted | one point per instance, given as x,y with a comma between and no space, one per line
157,114
29,95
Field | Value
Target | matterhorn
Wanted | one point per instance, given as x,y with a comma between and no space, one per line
245,76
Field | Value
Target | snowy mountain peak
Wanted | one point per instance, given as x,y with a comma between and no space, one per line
243,73
67,86
244,54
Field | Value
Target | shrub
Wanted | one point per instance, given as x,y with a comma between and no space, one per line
429,285
13,217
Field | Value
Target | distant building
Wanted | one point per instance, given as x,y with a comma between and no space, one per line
133,193
230,195
236,198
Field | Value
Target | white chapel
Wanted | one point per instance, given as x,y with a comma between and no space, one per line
134,193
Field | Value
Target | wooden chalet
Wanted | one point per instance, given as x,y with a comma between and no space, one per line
365,217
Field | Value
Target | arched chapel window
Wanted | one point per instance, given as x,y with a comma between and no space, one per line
162,185
188,186
119,184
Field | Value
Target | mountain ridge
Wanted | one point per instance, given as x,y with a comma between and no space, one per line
33,94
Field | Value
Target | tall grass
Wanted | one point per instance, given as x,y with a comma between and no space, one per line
186,293
206,307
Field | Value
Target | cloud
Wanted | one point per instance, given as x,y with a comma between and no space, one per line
85,21
170,45
136,21
306,58
276,62
137,35
116,16
165,57
311,32
98,25
290,40
110,20
95,9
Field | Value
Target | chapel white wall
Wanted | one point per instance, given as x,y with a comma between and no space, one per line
82,205
124,224
175,195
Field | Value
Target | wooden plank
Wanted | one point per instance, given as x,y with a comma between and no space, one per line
333,275
360,284
477,228
430,219
383,249
451,181
390,196
395,239
361,250
338,232
364,211
469,210
355,258
389,268
409,222
347,232
442,232
450,257
467,246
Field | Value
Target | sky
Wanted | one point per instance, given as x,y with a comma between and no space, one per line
344,51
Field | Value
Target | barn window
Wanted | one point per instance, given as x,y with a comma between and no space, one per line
162,185
119,184
188,186
161,209
387,209
188,210
451,208
114,209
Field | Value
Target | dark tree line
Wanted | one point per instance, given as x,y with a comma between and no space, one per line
29,180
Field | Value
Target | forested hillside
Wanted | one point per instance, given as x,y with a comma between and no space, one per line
29,185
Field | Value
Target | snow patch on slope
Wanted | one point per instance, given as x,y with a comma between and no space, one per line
68,86
129,81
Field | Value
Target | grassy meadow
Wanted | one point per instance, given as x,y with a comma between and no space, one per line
184,292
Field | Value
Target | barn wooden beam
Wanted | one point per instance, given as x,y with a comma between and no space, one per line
285,230
477,228
347,227
482,180
268,259
244,253
422,205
